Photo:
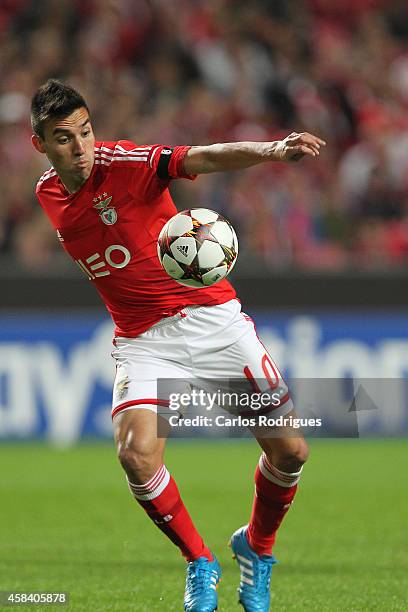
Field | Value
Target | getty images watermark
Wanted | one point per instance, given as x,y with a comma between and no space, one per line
232,410
199,398
210,399
330,408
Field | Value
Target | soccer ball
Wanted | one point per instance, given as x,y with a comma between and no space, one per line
197,247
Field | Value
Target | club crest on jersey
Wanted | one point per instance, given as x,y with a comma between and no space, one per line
107,213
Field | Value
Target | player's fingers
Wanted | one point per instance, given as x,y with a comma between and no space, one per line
312,139
305,150
305,138
311,144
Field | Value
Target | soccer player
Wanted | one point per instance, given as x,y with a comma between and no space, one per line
108,202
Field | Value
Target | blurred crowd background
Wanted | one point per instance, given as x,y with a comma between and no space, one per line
204,71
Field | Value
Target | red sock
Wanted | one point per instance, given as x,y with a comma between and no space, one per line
161,500
274,492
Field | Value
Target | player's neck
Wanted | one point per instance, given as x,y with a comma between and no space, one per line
72,184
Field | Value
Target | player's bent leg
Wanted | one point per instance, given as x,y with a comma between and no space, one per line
140,453
140,450
276,478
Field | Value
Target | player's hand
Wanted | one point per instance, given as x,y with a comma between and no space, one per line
295,146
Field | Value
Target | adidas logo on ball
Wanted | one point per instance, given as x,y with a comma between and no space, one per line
197,247
183,249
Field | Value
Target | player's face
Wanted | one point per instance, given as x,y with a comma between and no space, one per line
69,145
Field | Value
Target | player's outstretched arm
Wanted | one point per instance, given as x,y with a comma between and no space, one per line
239,155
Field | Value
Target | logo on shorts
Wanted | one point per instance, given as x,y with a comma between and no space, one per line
107,213
122,388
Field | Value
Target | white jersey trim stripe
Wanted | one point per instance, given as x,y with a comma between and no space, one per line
47,172
121,153
108,163
146,148
47,175
105,151
118,149
121,157
152,156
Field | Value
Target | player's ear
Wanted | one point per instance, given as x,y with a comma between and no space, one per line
37,143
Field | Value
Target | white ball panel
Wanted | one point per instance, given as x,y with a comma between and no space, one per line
184,249
222,232
215,275
179,225
210,254
204,215
190,283
171,266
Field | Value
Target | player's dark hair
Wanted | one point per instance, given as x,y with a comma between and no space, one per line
54,100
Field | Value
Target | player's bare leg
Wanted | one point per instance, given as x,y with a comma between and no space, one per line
141,454
140,450
276,477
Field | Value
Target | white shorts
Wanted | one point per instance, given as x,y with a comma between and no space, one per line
201,347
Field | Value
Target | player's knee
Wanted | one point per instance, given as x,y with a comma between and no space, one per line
140,461
300,454
292,457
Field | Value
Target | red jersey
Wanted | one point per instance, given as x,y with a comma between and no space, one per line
110,228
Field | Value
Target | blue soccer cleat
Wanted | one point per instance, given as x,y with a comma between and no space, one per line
202,579
256,570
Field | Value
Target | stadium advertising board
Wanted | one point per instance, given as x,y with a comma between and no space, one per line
56,372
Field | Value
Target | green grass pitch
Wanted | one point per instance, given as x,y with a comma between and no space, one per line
69,523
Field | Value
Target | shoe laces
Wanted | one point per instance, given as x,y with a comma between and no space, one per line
263,576
199,575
